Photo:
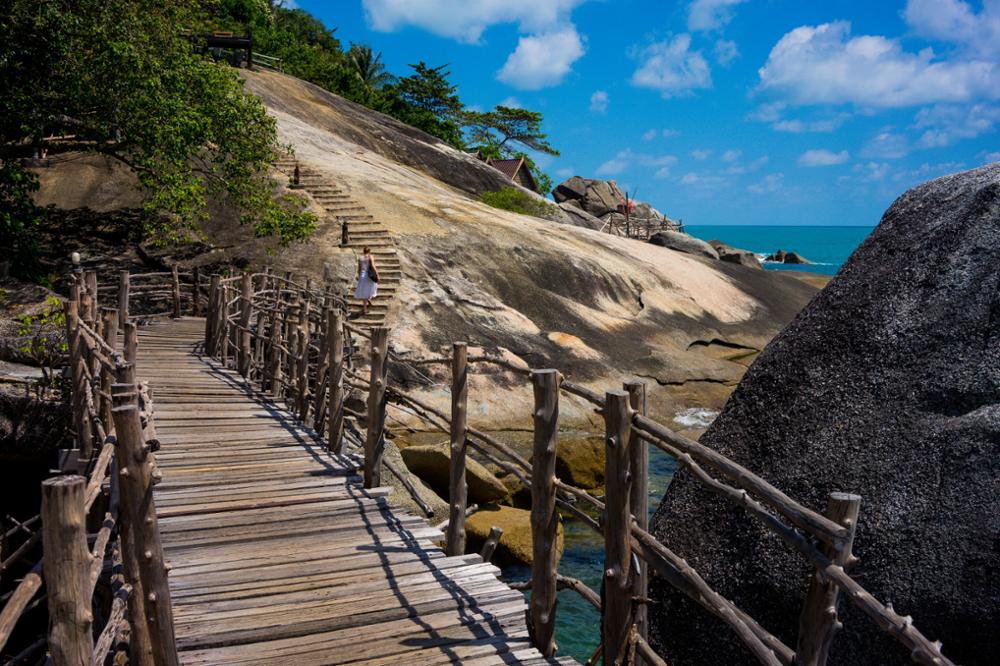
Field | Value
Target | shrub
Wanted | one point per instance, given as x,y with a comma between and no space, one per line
517,201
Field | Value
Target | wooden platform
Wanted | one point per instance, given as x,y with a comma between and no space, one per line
279,555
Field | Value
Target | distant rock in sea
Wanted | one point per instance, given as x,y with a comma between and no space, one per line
782,257
734,255
886,385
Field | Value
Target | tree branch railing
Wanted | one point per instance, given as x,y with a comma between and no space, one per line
112,420
298,345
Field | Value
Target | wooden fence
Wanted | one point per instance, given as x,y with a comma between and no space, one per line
115,441
269,332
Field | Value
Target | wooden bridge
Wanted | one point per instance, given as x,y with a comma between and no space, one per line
238,530
279,555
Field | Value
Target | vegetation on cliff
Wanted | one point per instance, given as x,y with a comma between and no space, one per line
121,79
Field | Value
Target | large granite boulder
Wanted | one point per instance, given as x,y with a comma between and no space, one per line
681,242
886,385
431,462
578,217
515,545
597,197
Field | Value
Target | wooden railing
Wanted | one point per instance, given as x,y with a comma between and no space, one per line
266,329
115,440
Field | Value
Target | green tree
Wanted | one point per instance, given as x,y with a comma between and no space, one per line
428,101
369,67
506,132
123,80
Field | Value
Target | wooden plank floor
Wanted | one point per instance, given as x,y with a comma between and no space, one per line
280,556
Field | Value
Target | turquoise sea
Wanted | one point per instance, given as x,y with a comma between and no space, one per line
828,247
577,623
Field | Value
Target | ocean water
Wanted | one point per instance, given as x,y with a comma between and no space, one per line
578,625
828,247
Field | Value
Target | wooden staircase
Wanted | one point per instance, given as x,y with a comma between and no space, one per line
363,230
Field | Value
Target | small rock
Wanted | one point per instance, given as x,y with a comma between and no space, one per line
734,255
794,258
514,546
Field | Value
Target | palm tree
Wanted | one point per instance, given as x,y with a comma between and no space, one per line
369,67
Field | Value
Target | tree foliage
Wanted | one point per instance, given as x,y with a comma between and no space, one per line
506,133
123,80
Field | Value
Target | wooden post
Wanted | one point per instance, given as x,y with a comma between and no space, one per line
91,316
639,505
544,519
123,293
616,611
344,238
458,489
818,623
225,332
137,474
176,291
490,544
335,392
110,329
274,376
302,375
211,317
67,570
374,442
246,303
322,368
196,292
81,420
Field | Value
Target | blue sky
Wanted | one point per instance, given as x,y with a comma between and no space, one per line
721,111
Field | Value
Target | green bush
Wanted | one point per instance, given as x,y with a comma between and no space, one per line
517,201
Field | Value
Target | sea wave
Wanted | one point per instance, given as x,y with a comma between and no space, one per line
695,417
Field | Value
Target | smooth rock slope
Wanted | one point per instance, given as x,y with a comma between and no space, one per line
886,385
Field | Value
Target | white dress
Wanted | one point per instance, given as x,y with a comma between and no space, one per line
367,289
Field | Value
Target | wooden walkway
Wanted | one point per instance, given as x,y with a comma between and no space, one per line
280,557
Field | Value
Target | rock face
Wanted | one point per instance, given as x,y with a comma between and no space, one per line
514,546
597,197
580,461
734,255
683,243
431,463
886,385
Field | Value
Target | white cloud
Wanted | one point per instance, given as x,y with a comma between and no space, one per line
671,67
649,134
542,60
872,171
955,21
943,125
599,101
690,179
466,20
798,126
565,172
701,154
821,157
886,145
625,158
825,64
710,14
512,102
770,183
989,158
726,52
731,155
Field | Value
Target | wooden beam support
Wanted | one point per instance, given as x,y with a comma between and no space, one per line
212,316
109,318
196,292
374,441
818,623
544,518
616,612
458,488
67,570
78,375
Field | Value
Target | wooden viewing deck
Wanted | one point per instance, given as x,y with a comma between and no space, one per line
279,555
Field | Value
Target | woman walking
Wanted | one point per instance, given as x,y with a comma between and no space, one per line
367,277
